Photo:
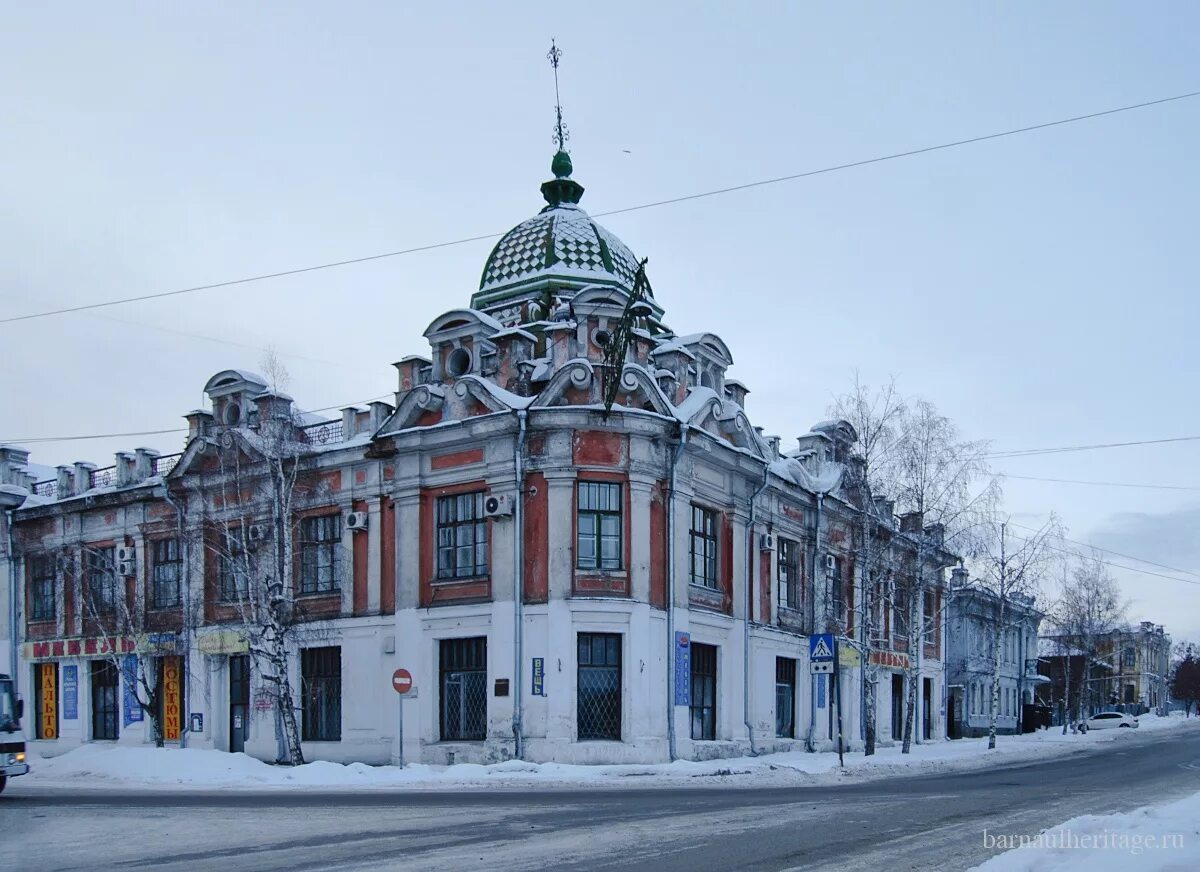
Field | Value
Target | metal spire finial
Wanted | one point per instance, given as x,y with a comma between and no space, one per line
561,134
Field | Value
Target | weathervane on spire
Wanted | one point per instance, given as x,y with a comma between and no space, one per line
561,134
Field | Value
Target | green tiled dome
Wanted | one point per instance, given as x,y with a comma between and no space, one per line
560,242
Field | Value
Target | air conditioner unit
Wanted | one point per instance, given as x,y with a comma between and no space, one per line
766,542
125,554
256,533
497,506
830,562
356,520
126,568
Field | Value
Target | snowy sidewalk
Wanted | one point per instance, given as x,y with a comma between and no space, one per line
101,766
1150,839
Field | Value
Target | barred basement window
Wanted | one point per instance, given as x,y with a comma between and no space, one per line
320,543
462,536
704,692
789,574
165,571
785,698
599,525
463,681
703,538
321,694
42,588
598,692
102,579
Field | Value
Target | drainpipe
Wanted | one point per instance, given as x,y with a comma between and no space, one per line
812,626
671,653
519,582
10,517
750,554
185,716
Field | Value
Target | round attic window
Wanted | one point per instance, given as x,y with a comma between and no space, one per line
459,362
602,338
232,415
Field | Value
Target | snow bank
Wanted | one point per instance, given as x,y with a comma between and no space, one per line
1151,838
99,765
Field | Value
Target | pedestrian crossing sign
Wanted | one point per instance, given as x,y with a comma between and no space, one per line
820,647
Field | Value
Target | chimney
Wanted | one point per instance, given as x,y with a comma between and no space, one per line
886,509
959,577
911,522
14,463
143,463
412,372
775,443
937,533
83,476
126,472
349,422
380,412
66,482
736,391
200,423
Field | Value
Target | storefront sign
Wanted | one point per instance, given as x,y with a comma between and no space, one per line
70,693
683,669
172,708
223,642
129,669
891,659
197,722
49,697
538,685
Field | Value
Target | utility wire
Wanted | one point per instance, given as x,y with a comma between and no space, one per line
1100,483
651,205
1031,452
1073,553
1115,553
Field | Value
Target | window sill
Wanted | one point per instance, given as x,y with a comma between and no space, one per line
466,579
318,594
704,587
602,573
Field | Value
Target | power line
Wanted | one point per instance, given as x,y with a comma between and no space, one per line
1101,483
1116,553
1109,563
651,205
1030,452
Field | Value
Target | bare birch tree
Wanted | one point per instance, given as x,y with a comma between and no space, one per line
947,482
1089,608
874,413
1012,570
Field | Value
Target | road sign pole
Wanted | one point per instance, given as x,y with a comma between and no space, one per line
400,732
837,700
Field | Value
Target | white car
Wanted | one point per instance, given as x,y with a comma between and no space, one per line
1108,721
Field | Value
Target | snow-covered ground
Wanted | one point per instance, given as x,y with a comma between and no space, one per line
1157,838
102,765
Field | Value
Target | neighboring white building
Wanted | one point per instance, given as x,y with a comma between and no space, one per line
563,582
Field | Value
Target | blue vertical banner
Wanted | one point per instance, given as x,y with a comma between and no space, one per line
132,711
683,669
70,693
538,685
820,691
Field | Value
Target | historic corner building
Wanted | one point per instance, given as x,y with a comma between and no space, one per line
563,584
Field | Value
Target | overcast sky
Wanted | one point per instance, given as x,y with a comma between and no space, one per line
1040,289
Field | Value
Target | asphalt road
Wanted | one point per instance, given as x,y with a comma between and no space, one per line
930,822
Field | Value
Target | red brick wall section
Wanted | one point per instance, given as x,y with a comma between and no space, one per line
537,539
387,557
764,585
456,458
658,546
597,448
359,545
726,557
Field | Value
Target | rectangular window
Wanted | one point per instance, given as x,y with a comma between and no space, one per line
320,545
929,617
463,673
42,571
837,596
102,581
165,572
321,694
106,702
1128,658
785,697
598,525
704,547
234,568
462,536
46,680
789,574
704,691
598,692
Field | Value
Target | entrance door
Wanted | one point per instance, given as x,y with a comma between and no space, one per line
952,716
897,707
106,703
239,701
926,709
